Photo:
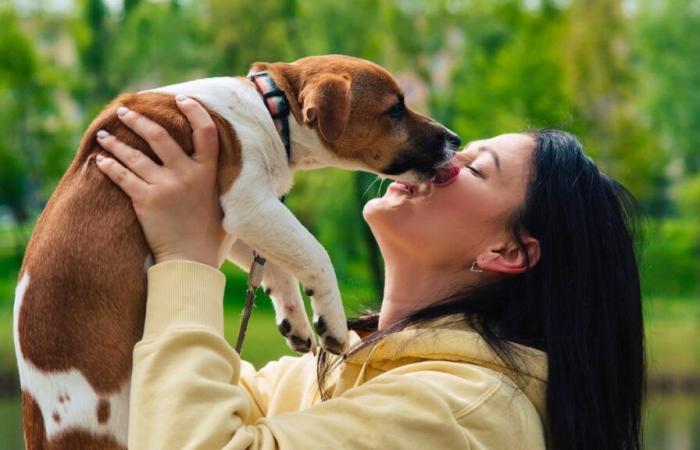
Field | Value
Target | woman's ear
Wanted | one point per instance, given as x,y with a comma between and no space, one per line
511,258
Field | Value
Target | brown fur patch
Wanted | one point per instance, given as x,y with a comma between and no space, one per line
371,136
83,440
85,303
34,434
103,410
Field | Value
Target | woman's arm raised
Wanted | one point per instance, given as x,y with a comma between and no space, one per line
177,203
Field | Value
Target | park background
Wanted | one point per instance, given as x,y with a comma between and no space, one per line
622,75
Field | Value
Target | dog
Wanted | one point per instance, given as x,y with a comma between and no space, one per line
81,296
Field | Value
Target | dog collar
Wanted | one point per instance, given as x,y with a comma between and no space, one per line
276,103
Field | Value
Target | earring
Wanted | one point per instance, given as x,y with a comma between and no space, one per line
475,267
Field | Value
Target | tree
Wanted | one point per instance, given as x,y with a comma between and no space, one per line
603,86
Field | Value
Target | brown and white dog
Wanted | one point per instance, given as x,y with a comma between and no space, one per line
80,301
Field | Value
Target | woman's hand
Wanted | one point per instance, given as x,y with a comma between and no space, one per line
177,203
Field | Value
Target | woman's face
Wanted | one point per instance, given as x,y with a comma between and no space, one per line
448,226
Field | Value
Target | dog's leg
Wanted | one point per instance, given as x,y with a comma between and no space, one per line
268,226
283,290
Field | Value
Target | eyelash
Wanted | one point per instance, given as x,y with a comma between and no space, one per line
473,170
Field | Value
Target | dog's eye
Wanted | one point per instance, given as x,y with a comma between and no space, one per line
397,110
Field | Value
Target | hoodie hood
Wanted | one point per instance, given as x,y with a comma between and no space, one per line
449,340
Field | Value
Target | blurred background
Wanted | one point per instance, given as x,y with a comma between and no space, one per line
624,75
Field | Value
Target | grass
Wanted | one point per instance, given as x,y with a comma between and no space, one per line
673,335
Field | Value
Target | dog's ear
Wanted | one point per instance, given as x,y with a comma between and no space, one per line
326,103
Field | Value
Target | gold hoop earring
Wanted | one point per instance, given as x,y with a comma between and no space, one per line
475,267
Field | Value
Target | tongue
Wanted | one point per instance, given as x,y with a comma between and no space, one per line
445,173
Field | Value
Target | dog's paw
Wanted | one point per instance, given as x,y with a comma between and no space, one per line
298,338
329,321
329,341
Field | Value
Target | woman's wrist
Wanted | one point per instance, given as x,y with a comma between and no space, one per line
199,257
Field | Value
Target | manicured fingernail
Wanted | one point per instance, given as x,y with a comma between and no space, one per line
102,134
122,111
99,158
180,97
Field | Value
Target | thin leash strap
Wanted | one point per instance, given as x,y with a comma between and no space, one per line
254,280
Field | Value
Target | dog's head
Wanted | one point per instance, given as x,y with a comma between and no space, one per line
359,113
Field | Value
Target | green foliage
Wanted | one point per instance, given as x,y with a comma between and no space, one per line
669,44
139,40
688,197
623,75
26,124
507,75
670,263
625,82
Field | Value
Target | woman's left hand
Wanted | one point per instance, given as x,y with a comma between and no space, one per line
177,203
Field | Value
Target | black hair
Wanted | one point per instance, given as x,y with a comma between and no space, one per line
581,302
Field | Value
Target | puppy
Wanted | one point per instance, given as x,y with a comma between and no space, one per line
80,301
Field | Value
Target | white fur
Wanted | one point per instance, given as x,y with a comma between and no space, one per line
251,207
308,152
236,100
80,412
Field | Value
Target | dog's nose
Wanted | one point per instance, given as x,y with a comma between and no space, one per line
453,139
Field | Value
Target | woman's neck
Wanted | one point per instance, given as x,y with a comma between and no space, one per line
409,287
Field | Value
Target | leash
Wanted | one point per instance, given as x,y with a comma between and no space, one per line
278,106
254,280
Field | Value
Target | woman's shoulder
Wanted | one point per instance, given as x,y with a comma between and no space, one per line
491,410
457,365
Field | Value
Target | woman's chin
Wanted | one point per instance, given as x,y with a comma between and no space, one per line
380,206
385,212
371,208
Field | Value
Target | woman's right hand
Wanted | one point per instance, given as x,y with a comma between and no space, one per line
177,203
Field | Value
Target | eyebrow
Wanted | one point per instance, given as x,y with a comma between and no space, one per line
493,154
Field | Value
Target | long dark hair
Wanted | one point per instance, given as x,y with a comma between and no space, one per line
580,303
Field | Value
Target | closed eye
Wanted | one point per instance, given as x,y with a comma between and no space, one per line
473,170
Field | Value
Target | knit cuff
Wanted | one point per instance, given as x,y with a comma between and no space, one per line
184,294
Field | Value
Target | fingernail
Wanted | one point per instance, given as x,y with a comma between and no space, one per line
102,134
180,97
122,111
99,158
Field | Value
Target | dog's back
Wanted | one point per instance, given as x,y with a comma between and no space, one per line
80,301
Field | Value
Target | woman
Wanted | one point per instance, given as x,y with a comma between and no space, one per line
511,315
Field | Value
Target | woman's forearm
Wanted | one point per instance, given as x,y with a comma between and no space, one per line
185,390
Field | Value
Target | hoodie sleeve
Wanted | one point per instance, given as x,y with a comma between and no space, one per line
189,295
188,392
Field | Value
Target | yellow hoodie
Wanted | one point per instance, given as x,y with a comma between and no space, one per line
434,387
